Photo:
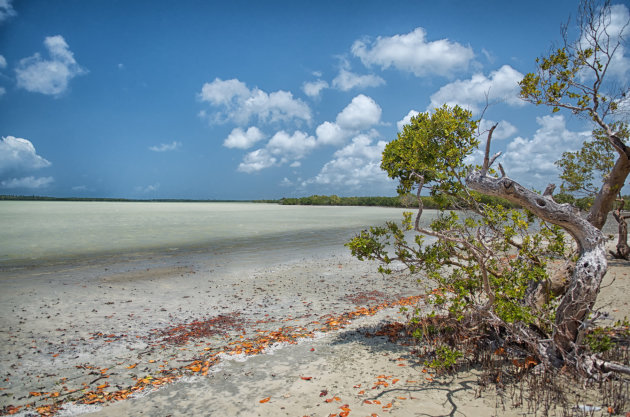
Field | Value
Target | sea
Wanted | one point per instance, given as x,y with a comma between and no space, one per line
53,233
35,233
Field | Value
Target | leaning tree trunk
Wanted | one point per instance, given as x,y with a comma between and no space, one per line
623,250
589,270
613,182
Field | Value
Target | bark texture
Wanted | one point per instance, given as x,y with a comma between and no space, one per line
589,270
623,250
610,190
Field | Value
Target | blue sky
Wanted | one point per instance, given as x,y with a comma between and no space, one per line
252,100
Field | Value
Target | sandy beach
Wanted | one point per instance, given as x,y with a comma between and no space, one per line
185,335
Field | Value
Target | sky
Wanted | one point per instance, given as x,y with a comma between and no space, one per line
263,99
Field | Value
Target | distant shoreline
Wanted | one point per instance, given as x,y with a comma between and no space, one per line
130,200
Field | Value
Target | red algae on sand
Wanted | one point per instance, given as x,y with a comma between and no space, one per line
49,403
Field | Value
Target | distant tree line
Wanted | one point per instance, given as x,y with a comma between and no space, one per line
404,201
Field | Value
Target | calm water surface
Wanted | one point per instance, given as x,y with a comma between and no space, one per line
40,232
35,231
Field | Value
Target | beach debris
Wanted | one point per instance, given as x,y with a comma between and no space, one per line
265,400
187,336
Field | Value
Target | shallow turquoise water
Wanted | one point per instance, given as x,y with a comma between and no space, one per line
35,231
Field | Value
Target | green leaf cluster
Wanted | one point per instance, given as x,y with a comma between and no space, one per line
483,257
431,150
584,169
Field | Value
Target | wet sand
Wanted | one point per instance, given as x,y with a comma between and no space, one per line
289,338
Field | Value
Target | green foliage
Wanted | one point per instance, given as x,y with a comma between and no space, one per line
583,170
486,261
575,78
557,83
599,341
483,254
431,150
446,358
333,200
404,201
603,339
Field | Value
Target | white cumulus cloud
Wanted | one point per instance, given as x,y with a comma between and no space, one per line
166,147
314,88
413,53
288,148
503,130
26,182
3,62
256,161
347,80
361,113
49,76
330,133
243,139
294,146
355,166
531,161
19,155
235,102
500,85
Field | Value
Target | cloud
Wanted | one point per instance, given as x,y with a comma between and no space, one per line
616,31
281,148
531,161
17,158
295,146
241,139
618,28
237,103
26,182
6,10
257,161
355,166
500,85
329,133
361,113
147,189
314,88
166,147
347,80
411,52
406,120
503,130
18,155
51,76
3,61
